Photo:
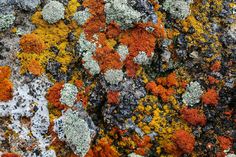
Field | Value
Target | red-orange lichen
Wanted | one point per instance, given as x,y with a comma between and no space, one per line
216,66
53,95
143,145
5,72
103,149
212,80
225,143
113,30
35,68
193,116
172,80
10,155
210,97
6,90
113,97
172,149
31,43
184,140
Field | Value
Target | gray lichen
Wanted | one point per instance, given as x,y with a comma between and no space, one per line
6,21
178,9
114,76
74,131
68,94
53,12
120,12
192,94
82,16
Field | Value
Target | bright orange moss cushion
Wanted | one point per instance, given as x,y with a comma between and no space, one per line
184,140
31,43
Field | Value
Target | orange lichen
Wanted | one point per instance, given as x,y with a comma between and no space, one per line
113,30
103,148
6,90
193,116
10,155
5,72
108,59
172,80
143,145
35,68
225,143
184,140
212,80
210,97
53,95
172,149
31,43
113,97
216,66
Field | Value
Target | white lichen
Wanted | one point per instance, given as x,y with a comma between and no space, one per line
74,131
134,155
114,76
178,9
82,16
6,21
53,12
123,52
142,58
68,94
192,94
120,12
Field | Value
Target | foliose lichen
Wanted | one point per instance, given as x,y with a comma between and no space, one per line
68,94
114,76
53,12
142,58
82,16
179,9
6,20
123,51
192,94
75,131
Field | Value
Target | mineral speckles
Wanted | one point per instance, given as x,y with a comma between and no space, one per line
68,94
192,94
53,12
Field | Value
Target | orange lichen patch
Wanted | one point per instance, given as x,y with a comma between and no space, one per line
53,95
225,143
6,90
172,149
108,59
113,30
82,98
143,145
113,97
184,140
216,66
98,22
31,43
94,25
96,7
212,80
210,97
103,148
35,68
79,83
10,155
159,90
131,67
5,72
172,80
193,116
138,39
